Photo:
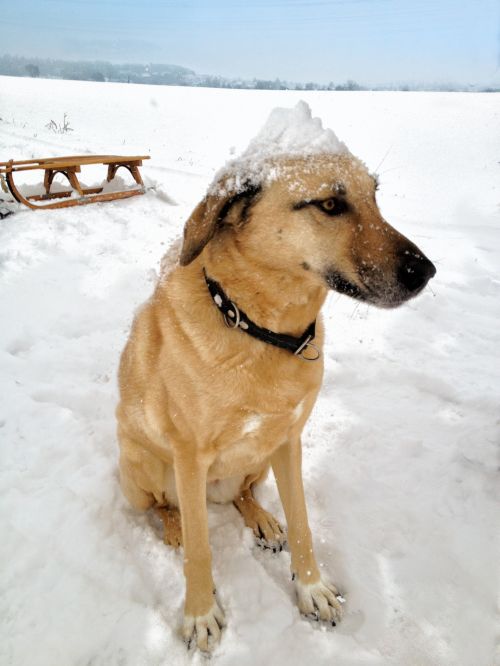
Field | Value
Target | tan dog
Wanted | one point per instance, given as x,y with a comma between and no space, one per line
205,409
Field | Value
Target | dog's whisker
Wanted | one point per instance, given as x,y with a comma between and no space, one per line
383,159
356,307
400,166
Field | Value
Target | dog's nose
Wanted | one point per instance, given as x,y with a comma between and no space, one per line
415,271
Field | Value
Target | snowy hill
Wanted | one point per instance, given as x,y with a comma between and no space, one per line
400,454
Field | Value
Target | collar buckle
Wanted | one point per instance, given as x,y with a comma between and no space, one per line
232,317
302,350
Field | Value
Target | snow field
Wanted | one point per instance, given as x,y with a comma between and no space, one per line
400,454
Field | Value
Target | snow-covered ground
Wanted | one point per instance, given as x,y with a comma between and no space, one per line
400,455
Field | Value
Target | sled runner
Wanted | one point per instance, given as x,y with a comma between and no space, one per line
69,167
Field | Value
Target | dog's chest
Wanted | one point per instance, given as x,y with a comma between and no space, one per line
251,439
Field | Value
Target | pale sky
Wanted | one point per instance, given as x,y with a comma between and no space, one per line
370,41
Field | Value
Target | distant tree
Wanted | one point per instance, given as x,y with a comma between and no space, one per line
262,84
211,82
96,76
348,85
33,70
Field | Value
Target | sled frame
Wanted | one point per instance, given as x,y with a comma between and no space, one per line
69,166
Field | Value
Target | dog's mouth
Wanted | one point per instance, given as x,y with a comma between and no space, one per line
374,292
337,281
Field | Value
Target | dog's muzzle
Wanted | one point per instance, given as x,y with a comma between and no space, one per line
410,274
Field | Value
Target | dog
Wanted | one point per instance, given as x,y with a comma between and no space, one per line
223,364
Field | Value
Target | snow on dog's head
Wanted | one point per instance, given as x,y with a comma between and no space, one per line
287,133
293,132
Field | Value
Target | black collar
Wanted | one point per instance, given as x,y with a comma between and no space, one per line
236,318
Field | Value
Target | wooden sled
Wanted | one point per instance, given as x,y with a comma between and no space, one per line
69,167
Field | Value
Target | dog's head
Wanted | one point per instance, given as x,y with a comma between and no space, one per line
313,217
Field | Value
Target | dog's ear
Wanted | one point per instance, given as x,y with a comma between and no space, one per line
201,226
208,215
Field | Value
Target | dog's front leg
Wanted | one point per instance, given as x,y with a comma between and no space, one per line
203,619
316,597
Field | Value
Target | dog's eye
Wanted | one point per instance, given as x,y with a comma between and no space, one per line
333,206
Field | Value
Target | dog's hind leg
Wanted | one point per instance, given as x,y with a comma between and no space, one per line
141,475
137,496
172,529
268,532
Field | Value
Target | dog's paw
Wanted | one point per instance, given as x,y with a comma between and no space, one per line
320,601
269,534
204,631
